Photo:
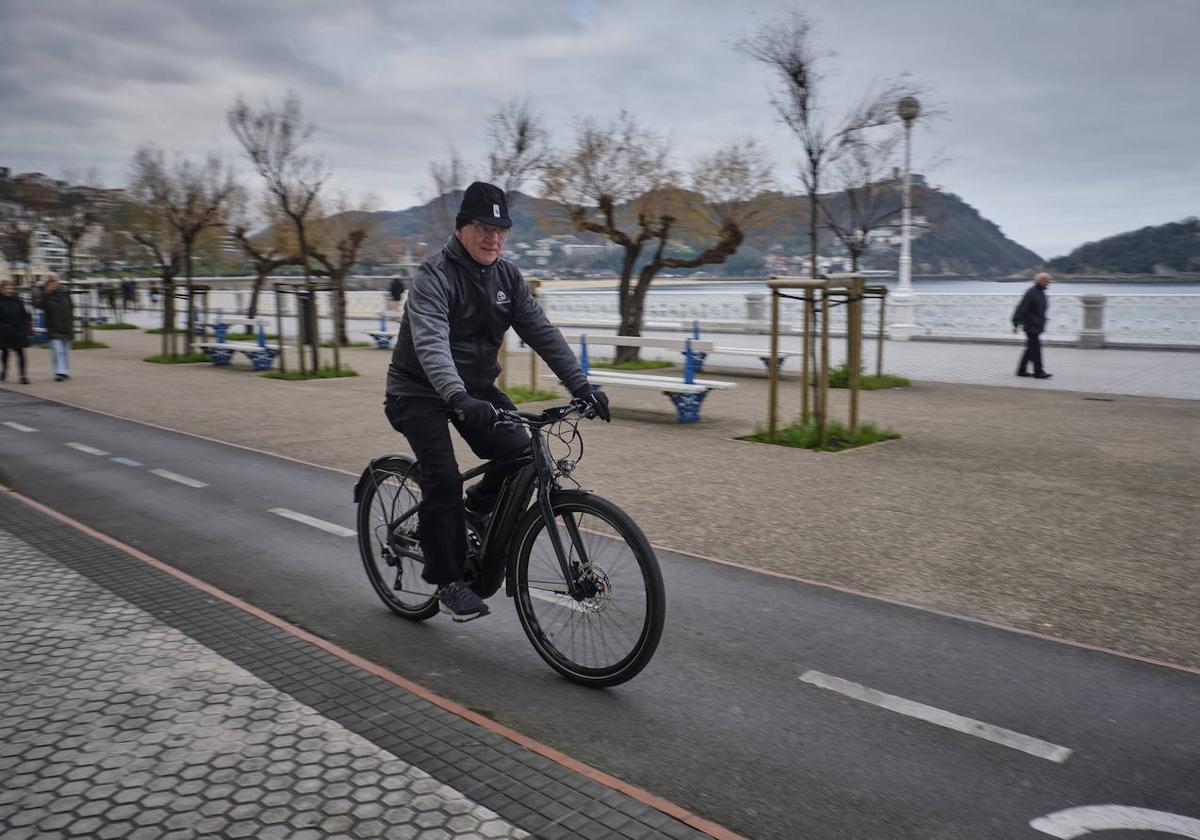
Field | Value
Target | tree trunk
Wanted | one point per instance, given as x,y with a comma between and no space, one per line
339,309
191,306
260,280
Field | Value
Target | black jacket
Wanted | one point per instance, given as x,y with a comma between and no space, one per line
1030,313
60,314
16,326
456,315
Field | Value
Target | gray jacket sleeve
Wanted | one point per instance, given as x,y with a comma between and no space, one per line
535,329
428,313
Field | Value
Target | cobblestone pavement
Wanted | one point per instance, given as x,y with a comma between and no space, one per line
117,722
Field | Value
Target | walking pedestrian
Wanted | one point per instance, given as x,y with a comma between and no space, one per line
1030,315
16,330
60,325
395,292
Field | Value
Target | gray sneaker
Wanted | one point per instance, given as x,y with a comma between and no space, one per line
460,602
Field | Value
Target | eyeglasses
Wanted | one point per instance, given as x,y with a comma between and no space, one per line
488,231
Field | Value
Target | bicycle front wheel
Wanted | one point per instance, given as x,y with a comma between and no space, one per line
607,632
388,542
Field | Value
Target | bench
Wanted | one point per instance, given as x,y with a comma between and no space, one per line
261,355
763,355
687,394
382,338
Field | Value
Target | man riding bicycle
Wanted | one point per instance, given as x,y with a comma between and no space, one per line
443,370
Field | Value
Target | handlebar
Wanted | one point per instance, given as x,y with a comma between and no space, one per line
554,414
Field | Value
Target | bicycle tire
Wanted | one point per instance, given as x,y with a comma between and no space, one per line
561,627
390,490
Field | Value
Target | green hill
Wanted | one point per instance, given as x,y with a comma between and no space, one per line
1161,249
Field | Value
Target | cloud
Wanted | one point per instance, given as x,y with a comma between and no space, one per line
1064,122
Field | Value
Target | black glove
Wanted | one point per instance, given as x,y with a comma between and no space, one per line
597,400
476,413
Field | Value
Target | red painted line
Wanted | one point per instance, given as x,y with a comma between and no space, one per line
685,553
708,827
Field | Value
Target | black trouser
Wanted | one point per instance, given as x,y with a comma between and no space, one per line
1033,353
423,420
20,351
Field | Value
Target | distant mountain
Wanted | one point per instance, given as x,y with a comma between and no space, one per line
953,238
1162,249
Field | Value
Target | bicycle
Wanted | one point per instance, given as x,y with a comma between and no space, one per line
585,582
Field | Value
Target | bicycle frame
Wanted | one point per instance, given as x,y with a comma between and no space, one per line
496,563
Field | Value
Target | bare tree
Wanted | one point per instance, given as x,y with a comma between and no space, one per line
789,50
867,197
520,146
273,139
337,241
16,242
448,180
617,181
69,218
146,226
191,198
267,253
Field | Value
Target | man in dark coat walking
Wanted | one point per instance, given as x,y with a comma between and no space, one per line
1030,315
16,330
60,325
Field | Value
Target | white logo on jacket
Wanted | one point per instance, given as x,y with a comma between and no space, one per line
501,297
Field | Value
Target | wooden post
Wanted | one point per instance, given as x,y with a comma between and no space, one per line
503,360
823,407
805,362
879,335
334,307
533,357
773,398
279,329
854,351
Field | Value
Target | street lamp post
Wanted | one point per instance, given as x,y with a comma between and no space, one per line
902,301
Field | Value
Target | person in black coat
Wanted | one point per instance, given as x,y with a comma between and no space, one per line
16,330
60,325
1030,315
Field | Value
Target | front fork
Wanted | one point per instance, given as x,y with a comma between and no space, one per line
546,486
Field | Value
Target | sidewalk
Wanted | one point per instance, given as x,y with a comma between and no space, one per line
133,704
1059,512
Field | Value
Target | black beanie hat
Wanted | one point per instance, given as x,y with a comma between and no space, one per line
485,203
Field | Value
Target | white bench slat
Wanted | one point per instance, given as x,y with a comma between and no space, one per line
680,344
743,351
654,379
238,345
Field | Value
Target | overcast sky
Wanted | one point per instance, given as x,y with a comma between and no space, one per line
1065,120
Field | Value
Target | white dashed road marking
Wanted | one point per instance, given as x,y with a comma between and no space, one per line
129,462
328,527
12,424
1076,822
968,726
83,447
182,479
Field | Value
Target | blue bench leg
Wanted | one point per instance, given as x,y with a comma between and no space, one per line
688,405
698,361
766,360
383,342
219,357
261,359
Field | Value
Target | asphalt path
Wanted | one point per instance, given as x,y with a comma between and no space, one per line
774,707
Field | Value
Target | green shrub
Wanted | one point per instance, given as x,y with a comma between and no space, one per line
523,394
839,377
807,436
115,326
87,344
178,359
321,373
332,343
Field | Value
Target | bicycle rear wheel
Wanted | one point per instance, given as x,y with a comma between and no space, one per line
608,633
387,539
